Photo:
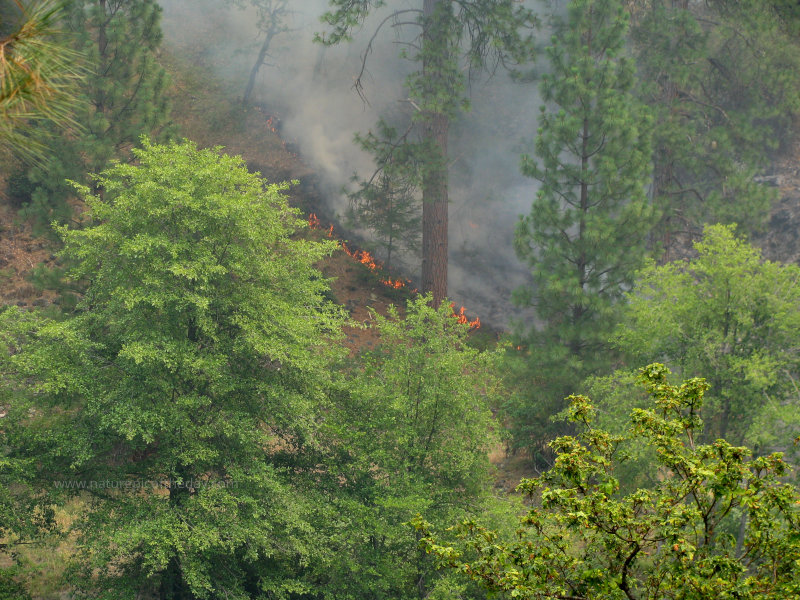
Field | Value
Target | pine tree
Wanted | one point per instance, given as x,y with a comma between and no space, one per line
272,20
722,81
453,35
124,96
386,203
585,236
39,75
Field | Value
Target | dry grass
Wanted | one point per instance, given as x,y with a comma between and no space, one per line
43,564
20,253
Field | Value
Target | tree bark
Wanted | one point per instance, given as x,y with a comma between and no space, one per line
434,184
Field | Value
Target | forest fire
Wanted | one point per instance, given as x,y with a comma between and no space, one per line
362,256
461,317
368,260
273,124
315,223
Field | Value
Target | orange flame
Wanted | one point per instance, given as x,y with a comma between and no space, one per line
393,283
366,259
271,125
362,256
315,223
461,317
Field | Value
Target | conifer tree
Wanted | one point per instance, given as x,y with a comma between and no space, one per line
586,233
452,35
386,203
39,74
272,20
722,81
123,99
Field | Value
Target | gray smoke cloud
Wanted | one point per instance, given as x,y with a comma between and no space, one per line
310,88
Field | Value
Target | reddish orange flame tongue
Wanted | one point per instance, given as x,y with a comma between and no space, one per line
366,259
461,317
362,256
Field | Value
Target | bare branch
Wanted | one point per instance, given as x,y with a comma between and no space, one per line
358,86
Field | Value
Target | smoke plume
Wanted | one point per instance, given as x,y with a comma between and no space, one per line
310,87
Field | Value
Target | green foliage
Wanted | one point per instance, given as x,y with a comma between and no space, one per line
734,316
10,588
23,516
718,524
722,80
39,75
55,278
187,382
387,203
586,233
412,429
122,98
19,188
788,12
428,392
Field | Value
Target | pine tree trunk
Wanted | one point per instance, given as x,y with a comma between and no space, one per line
434,185
581,264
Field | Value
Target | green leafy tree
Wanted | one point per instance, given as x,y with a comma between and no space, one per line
718,524
412,431
586,234
452,33
722,81
123,97
190,374
39,74
734,316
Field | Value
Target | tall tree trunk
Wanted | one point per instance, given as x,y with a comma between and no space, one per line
262,56
172,585
663,168
581,265
434,185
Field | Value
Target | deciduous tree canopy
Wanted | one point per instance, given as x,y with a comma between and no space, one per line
197,353
718,524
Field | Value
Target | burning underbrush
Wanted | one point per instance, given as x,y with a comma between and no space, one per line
375,266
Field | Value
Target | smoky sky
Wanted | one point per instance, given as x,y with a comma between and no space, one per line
310,88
